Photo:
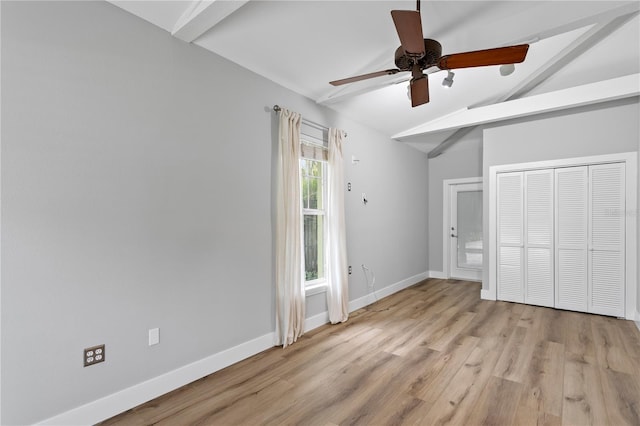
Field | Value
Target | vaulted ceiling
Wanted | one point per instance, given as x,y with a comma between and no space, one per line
581,52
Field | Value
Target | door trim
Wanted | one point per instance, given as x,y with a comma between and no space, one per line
446,216
631,185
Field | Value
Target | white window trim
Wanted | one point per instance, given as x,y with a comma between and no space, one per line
318,285
315,287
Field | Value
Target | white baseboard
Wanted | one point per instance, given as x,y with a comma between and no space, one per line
370,298
316,321
638,324
486,295
111,405
437,274
323,318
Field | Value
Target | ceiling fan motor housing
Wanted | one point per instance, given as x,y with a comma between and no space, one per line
433,52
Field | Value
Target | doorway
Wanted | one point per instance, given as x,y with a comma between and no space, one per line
463,247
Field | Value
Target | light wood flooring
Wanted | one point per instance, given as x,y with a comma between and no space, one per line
431,354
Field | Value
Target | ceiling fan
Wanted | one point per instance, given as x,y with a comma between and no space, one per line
416,54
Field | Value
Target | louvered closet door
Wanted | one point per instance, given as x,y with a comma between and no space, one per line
510,237
607,239
538,244
571,197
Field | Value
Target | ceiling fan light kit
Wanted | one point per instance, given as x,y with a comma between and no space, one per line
448,80
417,53
506,70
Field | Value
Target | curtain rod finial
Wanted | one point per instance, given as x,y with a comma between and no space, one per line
277,108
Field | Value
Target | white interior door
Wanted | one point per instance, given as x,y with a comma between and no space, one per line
594,267
510,218
607,215
465,236
538,238
571,199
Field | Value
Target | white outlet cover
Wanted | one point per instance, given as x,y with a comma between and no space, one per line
154,336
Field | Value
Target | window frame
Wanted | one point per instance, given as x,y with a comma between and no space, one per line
317,285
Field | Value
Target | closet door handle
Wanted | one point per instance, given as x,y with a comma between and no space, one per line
454,236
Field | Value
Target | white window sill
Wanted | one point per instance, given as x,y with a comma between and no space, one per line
315,288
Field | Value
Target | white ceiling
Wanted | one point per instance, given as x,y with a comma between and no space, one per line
303,45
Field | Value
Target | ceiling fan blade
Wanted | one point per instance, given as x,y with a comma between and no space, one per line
364,77
409,26
481,58
419,91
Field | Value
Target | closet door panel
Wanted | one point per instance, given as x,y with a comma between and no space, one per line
607,283
539,283
510,237
510,208
571,276
510,285
539,276
571,204
607,239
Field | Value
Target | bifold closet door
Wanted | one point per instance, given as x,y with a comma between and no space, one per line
561,238
607,211
538,238
571,200
510,237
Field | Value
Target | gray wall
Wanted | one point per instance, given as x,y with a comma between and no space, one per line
394,178
462,160
594,130
137,176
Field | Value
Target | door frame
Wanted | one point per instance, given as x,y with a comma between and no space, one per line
447,186
631,185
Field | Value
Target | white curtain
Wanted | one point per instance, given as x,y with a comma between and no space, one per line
290,298
337,282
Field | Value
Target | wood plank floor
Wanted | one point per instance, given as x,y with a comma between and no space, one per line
431,354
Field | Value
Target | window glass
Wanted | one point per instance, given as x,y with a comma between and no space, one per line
313,174
313,247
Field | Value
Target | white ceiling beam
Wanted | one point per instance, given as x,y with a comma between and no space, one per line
576,48
588,94
203,15
351,90
606,16
584,42
381,62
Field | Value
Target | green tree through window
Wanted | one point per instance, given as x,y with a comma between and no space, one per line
313,174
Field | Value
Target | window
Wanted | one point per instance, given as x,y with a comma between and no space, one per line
313,209
313,179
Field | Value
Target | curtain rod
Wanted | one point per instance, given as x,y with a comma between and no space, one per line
318,126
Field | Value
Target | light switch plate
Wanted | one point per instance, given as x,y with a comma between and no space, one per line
154,336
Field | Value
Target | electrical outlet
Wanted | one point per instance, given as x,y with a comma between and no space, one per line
93,355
